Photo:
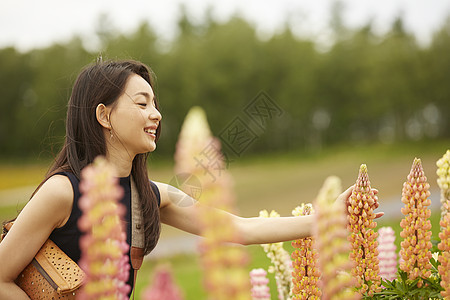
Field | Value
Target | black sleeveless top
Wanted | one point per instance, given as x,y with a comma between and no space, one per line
67,237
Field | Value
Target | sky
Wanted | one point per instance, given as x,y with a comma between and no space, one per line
28,24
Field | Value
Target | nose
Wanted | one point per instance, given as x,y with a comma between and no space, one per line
155,115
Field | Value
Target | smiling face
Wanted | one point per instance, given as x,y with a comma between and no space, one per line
134,119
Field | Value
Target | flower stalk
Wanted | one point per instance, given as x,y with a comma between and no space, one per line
163,286
387,253
199,154
259,281
281,262
415,247
443,173
363,238
332,245
305,275
103,246
443,181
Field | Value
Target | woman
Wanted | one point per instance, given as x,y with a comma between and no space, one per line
113,112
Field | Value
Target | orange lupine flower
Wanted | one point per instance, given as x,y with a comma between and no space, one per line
415,247
363,238
305,274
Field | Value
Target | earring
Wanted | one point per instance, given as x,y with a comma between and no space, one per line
111,135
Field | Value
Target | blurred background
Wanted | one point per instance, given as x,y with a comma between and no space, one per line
342,72
350,81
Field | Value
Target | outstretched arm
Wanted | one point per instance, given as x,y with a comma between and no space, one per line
181,211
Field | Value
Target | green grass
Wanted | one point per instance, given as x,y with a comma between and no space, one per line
187,272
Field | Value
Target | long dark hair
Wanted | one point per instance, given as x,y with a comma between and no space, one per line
104,82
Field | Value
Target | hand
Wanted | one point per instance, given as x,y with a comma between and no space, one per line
376,205
345,197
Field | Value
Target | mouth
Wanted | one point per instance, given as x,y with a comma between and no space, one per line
150,131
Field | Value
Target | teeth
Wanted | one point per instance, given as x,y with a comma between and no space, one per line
151,131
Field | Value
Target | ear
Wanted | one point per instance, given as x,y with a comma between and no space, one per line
102,113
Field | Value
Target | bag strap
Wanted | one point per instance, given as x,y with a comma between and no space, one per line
137,233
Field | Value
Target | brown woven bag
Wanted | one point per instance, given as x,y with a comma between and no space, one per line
51,274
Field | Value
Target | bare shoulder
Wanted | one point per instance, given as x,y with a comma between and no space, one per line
56,196
59,188
49,208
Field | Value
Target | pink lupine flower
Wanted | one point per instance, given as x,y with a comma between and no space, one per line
259,281
103,247
281,262
163,287
443,173
416,234
199,154
363,238
387,253
305,275
332,244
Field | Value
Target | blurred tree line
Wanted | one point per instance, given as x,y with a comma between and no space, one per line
365,87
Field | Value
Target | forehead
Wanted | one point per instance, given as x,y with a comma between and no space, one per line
137,85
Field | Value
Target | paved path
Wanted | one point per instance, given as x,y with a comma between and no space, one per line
392,205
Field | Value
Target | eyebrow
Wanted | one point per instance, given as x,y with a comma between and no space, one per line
145,94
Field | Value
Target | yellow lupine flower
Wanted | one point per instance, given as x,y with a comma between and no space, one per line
199,154
332,245
443,173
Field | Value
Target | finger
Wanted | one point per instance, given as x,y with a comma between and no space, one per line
379,214
376,203
346,194
349,189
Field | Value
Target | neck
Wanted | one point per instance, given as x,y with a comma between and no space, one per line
122,163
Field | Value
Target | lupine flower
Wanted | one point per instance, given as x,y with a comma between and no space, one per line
444,258
443,173
163,287
416,234
199,154
387,253
192,145
281,262
103,246
443,181
260,289
363,238
332,245
305,275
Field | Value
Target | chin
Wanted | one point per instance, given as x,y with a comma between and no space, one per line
150,149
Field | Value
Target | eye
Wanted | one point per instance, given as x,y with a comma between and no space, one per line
142,104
